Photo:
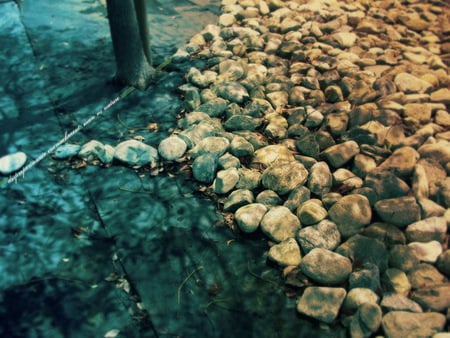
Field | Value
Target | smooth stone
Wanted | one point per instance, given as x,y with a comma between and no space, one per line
228,161
345,178
386,184
271,154
403,258
408,83
197,132
367,276
248,217
439,152
441,95
326,267
284,177
407,324
435,298
12,162
341,153
389,234
225,180
214,145
215,107
172,148
232,91
402,161
351,213
324,235
426,252
248,179
400,211
204,168
296,197
239,146
279,224
268,198
443,263
392,301
237,199
320,179
366,321
358,296
66,151
397,281
363,249
311,212
345,39
105,153
286,253
420,112
321,303
425,275
204,80
429,229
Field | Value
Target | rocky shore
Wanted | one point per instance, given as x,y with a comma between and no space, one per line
325,125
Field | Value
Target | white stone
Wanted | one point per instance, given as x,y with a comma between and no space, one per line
11,163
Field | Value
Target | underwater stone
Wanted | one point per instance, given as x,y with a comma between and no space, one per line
11,163
96,150
136,153
212,145
172,148
66,151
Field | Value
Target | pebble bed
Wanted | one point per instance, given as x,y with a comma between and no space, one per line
324,124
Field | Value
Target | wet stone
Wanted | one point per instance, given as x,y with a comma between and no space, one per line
284,177
286,253
279,224
237,199
66,151
172,148
396,302
408,324
249,217
94,150
321,303
213,145
400,211
326,267
11,163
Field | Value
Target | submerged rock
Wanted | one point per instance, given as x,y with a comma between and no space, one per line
11,163
67,150
136,153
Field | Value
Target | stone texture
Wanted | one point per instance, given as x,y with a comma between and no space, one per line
204,168
249,217
340,154
396,302
286,253
435,298
320,179
426,252
172,148
12,162
284,177
366,320
400,211
311,212
429,229
407,324
324,235
225,180
279,224
136,153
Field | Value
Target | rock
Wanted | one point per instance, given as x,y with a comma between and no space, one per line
248,179
268,198
308,145
402,161
367,277
399,211
241,147
249,217
344,178
429,229
435,298
345,39
321,303
351,213
232,91
363,165
408,83
403,258
225,180
191,97
269,155
407,324
420,112
66,151
172,148
441,95
296,197
12,162
214,107
204,168
439,152
237,199
386,184
443,263
197,132
279,224
396,280
366,320
284,177
214,145
326,267
427,252
358,296
396,302
228,161
324,235
320,179
198,79
314,119
286,253
363,249
419,183
340,154
311,212
96,150
425,275
389,234
227,19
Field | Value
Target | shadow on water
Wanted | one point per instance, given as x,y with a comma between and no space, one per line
84,248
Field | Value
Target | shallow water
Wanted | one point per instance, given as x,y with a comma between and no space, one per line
83,245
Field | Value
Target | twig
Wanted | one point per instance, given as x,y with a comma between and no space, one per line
185,280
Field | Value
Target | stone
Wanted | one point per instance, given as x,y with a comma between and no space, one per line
341,153
204,168
314,118
345,178
396,302
366,276
321,303
425,275
248,179
232,91
12,162
324,235
279,224
320,179
197,132
337,123
271,154
228,161
237,199
248,217
435,298
389,234
345,39
409,84
311,212
403,257
172,148
215,107
443,263
386,184
420,112
296,197
241,147
326,267
441,95
268,198
429,229
408,324
366,321
363,165
439,152
396,280
286,253
308,145
363,249
198,79
427,252
284,177
351,213
402,161
419,183
227,19
358,296
215,145
94,150
225,180
400,211
66,151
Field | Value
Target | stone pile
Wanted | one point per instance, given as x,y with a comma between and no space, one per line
324,124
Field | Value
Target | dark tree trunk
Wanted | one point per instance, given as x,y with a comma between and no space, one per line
129,33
